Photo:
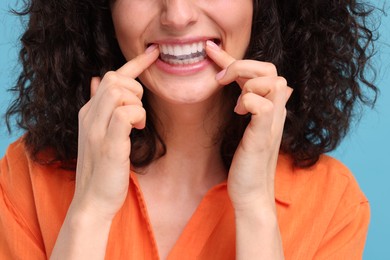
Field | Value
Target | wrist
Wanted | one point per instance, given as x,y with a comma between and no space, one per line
82,236
261,202
80,217
258,210
257,233
265,216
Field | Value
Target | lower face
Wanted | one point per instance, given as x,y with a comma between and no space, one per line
183,74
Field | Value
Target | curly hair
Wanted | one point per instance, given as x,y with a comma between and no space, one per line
322,48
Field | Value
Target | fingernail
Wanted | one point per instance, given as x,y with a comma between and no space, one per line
212,45
220,74
238,103
151,48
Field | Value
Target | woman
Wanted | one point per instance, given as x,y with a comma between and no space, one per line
184,147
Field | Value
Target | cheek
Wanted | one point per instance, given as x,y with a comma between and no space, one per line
238,32
130,48
128,31
244,19
239,12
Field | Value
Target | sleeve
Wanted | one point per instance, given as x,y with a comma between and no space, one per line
346,235
19,233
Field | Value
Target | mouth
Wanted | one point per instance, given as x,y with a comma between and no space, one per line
184,53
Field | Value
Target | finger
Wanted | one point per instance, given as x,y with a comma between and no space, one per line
112,99
136,66
260,108
95,82
246,69
117,142
220,57
123,120
114,90
272,88
268,87
289,93
114,79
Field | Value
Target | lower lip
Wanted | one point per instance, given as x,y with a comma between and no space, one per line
183,69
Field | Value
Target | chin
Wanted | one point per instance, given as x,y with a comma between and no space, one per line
190,89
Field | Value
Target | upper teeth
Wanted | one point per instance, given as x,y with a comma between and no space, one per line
182,49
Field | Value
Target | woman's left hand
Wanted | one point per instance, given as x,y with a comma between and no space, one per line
264,95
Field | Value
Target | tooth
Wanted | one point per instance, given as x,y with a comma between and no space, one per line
200,47
177,50
164,49
180,54
194,48
187,49
170,49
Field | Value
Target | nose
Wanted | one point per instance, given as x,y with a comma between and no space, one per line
179,14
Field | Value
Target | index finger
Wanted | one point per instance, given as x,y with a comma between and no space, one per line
136,66
221,58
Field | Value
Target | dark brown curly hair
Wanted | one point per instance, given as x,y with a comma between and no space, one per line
322,48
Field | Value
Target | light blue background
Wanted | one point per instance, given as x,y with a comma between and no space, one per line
366,151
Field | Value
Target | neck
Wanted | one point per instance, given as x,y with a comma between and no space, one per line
191,135
190,127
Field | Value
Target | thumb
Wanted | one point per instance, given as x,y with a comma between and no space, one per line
95,82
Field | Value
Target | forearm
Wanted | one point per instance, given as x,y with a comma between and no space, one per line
257,235
82,237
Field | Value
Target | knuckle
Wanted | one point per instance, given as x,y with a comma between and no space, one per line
138,116
257,103
111,77
247,101
82,117
142,113
138,89
138,113
281,82
284,113
268,106
270,68
232,66
82,112
120,115
113,93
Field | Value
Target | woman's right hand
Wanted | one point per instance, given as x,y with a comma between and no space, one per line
105,123
103,164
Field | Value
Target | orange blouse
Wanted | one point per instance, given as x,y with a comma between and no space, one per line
322,214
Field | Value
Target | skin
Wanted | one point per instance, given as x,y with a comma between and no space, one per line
185,104
178,20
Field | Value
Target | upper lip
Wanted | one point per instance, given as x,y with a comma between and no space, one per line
183,40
